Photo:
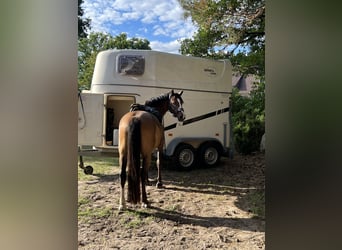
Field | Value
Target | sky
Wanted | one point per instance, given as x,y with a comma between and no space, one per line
159,21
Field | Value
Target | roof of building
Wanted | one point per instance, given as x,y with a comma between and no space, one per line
244,83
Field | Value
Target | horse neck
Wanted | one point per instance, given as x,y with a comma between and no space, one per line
161,104
162,109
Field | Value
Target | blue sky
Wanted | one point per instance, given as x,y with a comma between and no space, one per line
159,21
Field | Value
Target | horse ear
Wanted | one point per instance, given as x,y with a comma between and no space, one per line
172,92
180,93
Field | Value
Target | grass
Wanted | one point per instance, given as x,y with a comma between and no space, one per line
101,165
256,202
83,201
88,214
135,218
108,165
174,208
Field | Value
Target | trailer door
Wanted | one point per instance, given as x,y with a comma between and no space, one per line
90,119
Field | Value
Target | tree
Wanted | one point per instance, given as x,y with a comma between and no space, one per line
234,29
225,26
89,47
83,23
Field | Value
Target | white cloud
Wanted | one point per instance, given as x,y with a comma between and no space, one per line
123,5
148,17
171,47
162,18
130,15
158,30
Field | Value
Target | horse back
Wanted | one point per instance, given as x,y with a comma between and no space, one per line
152,132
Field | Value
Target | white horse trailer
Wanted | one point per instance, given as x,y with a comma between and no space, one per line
123,77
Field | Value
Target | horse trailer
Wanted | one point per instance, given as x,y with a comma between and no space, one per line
124,77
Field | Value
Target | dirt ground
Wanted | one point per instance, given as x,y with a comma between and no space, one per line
216,208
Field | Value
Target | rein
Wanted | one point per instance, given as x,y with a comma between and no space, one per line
84,117
151,106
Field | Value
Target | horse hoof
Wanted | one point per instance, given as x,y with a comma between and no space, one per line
159,185
144,205
121,208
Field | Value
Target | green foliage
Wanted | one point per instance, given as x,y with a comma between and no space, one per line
201,45
83,23
225,26
250,63
228,22
90,46
248,117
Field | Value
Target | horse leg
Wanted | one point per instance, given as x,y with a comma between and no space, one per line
147,181
144,176
123,163
159,164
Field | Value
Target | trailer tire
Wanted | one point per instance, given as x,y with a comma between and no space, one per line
184,157
209,154
88,170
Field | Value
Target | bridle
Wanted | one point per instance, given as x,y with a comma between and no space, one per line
174,109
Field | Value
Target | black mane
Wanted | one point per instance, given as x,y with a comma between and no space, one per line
157,101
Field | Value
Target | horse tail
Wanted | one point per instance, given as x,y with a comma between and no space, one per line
133,160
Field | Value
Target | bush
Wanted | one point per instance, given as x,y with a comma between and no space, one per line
248,118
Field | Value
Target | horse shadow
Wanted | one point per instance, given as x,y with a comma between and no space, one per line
246,224
107,177
224,179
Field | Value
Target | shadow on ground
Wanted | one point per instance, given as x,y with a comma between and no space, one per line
242,176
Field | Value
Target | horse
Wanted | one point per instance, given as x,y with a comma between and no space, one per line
140,132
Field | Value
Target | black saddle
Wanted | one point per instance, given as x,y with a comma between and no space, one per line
153,111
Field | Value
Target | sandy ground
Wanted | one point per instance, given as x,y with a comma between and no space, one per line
199,209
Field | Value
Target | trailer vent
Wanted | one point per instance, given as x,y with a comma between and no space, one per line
131,65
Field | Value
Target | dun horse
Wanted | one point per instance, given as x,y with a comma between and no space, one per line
140,132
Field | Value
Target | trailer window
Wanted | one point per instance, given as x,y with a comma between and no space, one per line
131,64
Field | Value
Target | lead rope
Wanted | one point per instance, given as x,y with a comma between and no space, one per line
80,97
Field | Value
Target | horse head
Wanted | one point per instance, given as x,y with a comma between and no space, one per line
176,105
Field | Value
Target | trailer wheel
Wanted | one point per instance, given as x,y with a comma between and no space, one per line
88,170
209,154
184,157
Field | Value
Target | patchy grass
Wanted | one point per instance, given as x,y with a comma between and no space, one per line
87,214
83,201
101,165
131,222
131,219
256,202
174,208
218,208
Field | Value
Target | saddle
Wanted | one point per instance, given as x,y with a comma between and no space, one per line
153,111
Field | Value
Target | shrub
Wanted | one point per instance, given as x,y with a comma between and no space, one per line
248,118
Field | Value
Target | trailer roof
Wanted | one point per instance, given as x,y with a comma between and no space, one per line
154,68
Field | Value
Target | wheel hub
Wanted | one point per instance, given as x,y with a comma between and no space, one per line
186,158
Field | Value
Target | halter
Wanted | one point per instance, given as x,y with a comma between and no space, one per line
173,108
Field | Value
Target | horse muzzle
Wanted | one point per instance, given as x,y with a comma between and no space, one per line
180,116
